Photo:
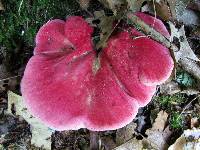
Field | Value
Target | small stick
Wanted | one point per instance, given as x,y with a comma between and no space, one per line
187,64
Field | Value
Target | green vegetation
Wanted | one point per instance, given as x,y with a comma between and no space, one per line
176,120
22,18
184,78
167,100
20,21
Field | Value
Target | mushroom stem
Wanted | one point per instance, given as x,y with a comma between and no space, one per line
94,140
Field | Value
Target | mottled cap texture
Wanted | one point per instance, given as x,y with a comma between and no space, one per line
68,86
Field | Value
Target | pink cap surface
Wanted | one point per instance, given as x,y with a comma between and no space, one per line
67,86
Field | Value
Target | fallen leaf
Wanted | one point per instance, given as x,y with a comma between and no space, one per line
1,6
1,146
180,6
126,133
172,4
177,7
3,72
106,27
41,135
114,5
133,144
84,3
195,34
158,134
159,9
185,49
135,5
189,140
163,10
108,143
194,5
6,123
195,122
160,121
189,18
170,88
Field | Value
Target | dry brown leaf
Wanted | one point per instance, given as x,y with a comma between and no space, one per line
114,5
189,140
132,144
119,8
106,26
163,10
126,133
160,121
158,134
108,143
195,122
185,49
189,18
41,135
3,72
135,5
1,6
177,7
170,88
84,3
195,33
172,4
194,5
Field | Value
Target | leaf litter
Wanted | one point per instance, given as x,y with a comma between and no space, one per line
126,138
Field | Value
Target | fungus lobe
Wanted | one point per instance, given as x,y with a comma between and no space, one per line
67,86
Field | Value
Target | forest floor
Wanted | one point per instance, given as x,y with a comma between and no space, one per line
172,116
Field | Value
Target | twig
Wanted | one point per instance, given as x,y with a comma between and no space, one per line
20,5
150,31
191,67
187,106
155,13
187,64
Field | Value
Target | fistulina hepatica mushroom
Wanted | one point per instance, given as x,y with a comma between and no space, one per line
68,86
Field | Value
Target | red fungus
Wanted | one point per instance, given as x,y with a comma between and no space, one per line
68,87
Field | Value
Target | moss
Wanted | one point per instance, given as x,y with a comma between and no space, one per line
176,121
167,101
20,21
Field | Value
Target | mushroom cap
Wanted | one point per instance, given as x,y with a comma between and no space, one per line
68,87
